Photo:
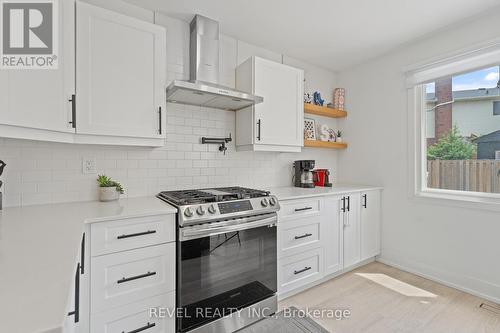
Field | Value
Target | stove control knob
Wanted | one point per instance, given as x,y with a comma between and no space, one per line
200,211
188,212
272,201
264,202
211,209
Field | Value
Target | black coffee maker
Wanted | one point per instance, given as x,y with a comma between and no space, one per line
303,173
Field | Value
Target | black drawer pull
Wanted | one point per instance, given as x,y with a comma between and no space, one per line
137,234
302,209
136,277
143,328
305,269
303,236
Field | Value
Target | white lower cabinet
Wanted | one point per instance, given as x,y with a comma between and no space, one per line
129,276
333,235
321,237
349,215
299,270
121,282
136,317
370,224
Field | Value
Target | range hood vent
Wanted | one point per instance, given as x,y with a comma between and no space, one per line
203,88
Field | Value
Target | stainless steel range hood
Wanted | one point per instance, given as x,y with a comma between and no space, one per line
203,89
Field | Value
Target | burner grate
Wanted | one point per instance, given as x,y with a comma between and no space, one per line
189,197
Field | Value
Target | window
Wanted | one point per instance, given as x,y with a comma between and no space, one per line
461,136
496,108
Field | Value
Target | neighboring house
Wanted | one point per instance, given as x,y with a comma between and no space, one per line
488,146
474,112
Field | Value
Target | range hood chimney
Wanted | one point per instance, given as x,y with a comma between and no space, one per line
203,87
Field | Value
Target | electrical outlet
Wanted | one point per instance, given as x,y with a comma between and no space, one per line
89,165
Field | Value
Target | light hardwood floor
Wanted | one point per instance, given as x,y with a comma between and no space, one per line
385,299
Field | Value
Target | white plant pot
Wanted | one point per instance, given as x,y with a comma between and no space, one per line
108,194
339,139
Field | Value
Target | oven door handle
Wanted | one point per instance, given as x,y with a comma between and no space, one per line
187,233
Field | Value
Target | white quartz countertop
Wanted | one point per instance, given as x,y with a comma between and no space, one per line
290,192
38,254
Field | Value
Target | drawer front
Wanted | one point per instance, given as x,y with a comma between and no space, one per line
299,270
136,317
133,233
300,208
125,277
298,237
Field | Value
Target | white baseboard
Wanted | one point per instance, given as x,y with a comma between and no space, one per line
473,286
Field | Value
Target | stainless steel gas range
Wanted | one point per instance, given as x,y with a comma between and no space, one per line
226,257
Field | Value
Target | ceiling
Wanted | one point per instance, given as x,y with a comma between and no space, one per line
334,34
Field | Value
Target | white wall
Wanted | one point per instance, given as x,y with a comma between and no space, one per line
39,172
458,245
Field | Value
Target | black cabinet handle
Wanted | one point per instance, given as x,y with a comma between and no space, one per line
365,200
303,209
159,120
82,259
143,328
136,234
76,312
343,205
122,280
259,122
301,270
73,110
348,203
303,236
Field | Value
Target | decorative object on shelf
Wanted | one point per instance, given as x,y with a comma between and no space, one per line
330,106
327,134
109,190
339,98
309,129
308,98
317,98
219,141
339,136
2,166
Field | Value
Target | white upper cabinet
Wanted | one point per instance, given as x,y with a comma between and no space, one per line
120,76
34,102
277,123
370,224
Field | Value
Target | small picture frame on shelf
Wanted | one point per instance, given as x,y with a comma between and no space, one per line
309,129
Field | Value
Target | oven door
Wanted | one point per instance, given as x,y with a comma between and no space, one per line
223,267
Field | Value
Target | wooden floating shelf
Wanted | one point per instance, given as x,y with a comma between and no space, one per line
324,111
325,144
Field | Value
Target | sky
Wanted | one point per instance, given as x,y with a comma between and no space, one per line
485,78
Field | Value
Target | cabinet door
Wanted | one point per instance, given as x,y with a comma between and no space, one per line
280,118
333,235
370,224
39,98
351,230
120,74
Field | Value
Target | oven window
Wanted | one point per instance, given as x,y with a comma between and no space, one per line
220,274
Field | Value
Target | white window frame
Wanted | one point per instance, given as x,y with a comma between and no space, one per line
416,77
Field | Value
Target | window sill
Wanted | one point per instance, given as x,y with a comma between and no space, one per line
472,200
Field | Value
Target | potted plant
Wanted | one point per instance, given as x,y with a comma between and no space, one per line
339,136
109,189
